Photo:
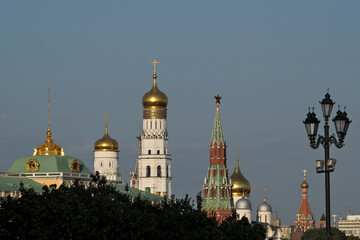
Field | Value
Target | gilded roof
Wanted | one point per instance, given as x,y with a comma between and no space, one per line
241,186
48,147
154,98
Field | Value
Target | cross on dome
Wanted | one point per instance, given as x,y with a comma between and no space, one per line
304,171
155,62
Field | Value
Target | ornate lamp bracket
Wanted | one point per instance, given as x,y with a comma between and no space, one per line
315,144
338,144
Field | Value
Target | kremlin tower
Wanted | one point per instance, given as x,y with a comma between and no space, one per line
106,160
240,192
217,199
154,162
305,219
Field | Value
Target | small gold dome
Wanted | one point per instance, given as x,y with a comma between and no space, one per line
48,147
155,99
106,143
304,184
241,186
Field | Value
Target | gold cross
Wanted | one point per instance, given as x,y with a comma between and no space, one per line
264,194
155,62
304,173
106,115
237,152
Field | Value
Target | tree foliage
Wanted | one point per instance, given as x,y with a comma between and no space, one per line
98,211
320,234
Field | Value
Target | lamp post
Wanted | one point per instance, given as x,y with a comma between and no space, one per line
326,166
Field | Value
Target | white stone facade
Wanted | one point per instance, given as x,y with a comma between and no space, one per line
154,161
264,217
107,164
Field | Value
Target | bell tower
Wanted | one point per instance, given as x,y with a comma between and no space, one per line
154,162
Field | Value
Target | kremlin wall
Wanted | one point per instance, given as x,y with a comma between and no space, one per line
223,193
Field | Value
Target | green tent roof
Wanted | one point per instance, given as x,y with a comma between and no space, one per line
49,163
8,184
133,193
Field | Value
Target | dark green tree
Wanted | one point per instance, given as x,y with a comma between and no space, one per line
320,234
98,211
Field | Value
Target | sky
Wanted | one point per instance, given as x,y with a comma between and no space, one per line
269,60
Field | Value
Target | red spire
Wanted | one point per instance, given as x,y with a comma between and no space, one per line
304,219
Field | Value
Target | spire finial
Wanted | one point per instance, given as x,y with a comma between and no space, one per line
237,155
304,171
106,125
138,138
155,62
217,97
48,132
264,195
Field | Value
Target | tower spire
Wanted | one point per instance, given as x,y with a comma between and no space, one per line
106,123
264,195
49,147
48,132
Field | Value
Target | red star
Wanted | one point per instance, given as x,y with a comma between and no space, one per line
139,138
217,97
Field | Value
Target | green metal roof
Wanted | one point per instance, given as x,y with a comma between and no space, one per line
9,184
49,163
133,193
217,132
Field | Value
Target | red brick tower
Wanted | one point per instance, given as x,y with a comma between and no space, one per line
217,199
305,219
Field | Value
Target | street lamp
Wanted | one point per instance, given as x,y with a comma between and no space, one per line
326,166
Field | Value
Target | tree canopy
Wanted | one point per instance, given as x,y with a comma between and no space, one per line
320,234
99,211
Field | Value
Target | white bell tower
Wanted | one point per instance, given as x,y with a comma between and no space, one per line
154,161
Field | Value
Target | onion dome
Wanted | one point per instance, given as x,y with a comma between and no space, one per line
241,186
155,99
264,206
304,184
106,143
48,147
243,203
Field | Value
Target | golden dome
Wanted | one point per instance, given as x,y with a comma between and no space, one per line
106,143
155,99
241,186
304,184
48,147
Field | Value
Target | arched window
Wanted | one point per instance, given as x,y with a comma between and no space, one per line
155,124
149,152
159,171
167,171
109,164
101,164
147,189
148,171
150,124
158,152
215,152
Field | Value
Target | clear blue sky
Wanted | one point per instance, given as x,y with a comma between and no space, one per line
269,60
